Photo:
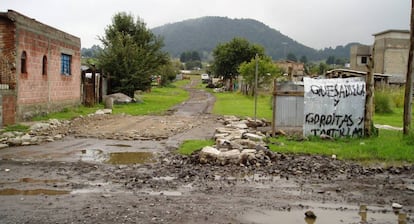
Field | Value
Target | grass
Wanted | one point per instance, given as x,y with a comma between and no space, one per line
394,119
157,101
69,113
241,105
16,127
190,146
389,146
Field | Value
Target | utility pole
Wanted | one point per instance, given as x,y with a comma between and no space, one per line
255,87
408,96
369,98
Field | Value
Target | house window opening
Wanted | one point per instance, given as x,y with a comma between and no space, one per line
23,62
364,60
44,65
66,64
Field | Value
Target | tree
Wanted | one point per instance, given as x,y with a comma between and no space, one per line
330,60
131,54
291,57
168,72
229,56
304,59
408,94
267,71
191,59
322,68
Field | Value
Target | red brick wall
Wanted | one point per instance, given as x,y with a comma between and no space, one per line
38,93
7,53
9,109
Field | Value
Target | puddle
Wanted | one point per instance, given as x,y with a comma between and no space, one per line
323,216
123,158
120,145
31,180
12,191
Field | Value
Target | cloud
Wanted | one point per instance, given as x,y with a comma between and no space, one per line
315,23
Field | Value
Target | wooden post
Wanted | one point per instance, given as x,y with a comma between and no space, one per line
408,95
274,108
369,99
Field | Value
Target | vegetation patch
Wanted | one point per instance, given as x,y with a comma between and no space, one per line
389,147
241,105
190,146
16,127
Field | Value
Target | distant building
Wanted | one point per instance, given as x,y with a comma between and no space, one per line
39,68
390,54
291,68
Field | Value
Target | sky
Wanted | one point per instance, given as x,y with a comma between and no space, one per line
314,23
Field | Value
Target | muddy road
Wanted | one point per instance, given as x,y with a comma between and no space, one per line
123,169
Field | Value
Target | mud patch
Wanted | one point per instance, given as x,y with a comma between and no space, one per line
12,191
125,158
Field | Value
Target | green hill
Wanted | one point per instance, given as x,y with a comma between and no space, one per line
203,35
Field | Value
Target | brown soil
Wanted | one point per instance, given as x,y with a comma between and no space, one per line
75,180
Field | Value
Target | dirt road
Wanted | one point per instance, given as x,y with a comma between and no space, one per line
123,169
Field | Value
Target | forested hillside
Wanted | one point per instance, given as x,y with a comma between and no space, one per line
203,35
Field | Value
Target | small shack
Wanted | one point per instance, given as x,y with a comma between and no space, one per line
94,85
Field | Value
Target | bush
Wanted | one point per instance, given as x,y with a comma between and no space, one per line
397,95
383,102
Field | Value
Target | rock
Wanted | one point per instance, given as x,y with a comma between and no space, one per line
99,112
253,137
220,142
15,141
208,153
120,98
326,137
310,214
2,146
108,102
237,125
107,111
224,130
57,137
248,151
55,122
232,154
40,126
8,135
396,206
333,156
26,138
49,139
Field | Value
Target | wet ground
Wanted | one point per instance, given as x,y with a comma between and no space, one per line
89,178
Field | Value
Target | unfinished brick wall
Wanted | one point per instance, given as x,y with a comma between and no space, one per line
7,54
8,107
39,93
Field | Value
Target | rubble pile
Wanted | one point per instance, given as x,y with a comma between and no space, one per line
47,131
238,142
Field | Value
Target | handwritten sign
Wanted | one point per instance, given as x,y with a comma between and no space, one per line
334,107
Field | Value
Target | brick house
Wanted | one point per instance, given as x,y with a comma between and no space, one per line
390,55
39,68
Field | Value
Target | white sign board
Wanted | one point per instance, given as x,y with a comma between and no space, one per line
334,107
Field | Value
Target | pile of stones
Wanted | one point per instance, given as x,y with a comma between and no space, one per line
238,142
40,132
